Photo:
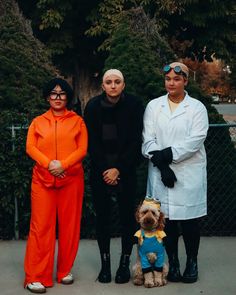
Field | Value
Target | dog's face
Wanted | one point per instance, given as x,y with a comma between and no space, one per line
150,217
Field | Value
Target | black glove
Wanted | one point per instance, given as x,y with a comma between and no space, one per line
167,155
162,157
168,176
157,159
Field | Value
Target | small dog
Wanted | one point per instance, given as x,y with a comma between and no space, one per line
150,268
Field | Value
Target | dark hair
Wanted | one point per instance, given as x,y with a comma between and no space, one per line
64,86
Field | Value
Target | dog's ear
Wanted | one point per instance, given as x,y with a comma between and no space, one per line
161,223
137,216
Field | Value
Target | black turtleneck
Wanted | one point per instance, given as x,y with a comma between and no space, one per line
109,132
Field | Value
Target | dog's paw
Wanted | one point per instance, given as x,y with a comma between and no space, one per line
164,274
149,284
158,282
138,278
138,281
158,279
164,281
149,280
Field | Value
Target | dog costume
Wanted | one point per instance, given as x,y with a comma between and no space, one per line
151,242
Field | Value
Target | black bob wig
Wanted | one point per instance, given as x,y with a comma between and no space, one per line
64,86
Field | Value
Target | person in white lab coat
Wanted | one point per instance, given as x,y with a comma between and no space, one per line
175,128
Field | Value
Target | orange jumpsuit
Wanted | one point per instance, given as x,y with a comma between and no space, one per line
55,199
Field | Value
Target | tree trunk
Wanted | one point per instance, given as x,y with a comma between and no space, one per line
85,85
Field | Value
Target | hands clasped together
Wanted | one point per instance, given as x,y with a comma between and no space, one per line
56,169
111,176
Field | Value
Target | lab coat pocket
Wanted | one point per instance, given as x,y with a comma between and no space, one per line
195,184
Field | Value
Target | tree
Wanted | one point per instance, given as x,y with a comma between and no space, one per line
212,77
76,31
189,25
203,29
24,62
139,52
24,68
61,25
232,67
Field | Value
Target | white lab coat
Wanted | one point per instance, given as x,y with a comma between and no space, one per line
184,131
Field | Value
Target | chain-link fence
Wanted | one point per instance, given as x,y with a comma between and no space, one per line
221,170
221,156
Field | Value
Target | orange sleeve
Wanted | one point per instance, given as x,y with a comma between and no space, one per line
32,150
79,154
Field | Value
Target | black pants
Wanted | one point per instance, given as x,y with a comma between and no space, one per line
125,195
191,236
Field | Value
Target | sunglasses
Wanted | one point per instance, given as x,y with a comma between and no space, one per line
177,70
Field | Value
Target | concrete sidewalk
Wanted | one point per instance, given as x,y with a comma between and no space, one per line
217,271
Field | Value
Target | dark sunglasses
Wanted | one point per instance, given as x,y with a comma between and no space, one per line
177,70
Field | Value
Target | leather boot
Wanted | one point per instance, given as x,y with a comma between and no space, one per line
123,272
105,272
190,274
174,274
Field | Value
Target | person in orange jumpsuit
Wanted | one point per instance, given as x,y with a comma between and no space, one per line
57,141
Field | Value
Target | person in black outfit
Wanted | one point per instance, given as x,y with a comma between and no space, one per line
114,123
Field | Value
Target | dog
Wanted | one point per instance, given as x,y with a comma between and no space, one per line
150,269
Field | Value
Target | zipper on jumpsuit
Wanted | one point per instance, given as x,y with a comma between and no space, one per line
55,148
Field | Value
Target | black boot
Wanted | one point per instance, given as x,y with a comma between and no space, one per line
190,274
105,273
174,272
123,272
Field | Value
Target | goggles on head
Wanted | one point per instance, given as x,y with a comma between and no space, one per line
177,70
152,201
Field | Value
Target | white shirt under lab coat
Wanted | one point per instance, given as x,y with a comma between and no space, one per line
184,131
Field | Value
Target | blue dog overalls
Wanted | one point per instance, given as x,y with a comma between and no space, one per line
151,242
